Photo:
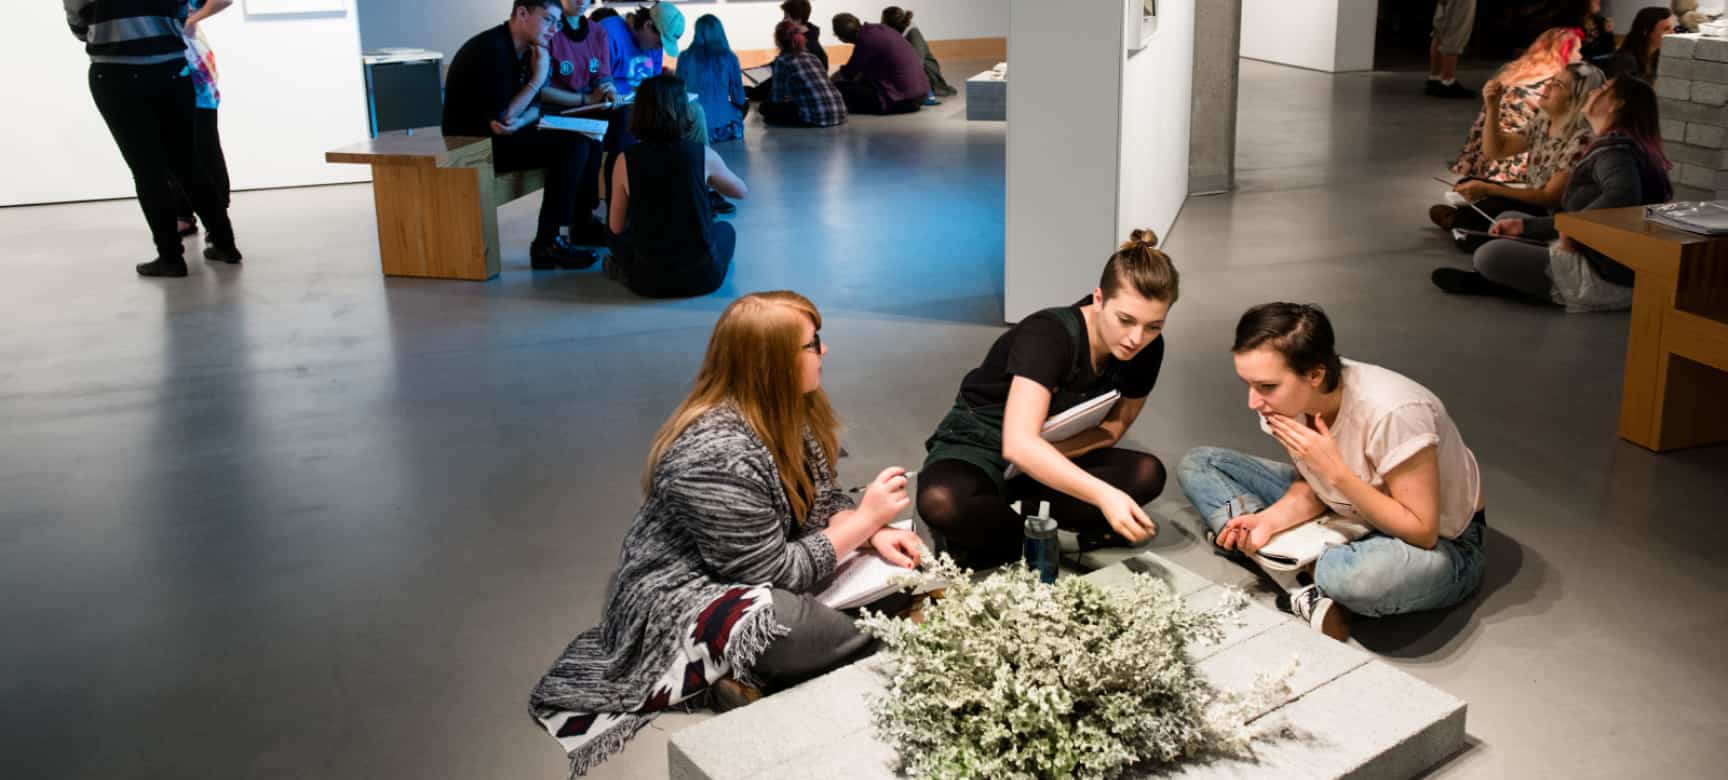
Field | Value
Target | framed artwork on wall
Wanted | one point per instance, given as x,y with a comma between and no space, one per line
292,7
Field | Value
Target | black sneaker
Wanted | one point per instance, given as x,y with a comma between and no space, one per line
1431,87
163,266
225,254
1321,613
720,204
1453,90
1458,281
558,253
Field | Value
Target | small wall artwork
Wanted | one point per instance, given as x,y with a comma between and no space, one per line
296,7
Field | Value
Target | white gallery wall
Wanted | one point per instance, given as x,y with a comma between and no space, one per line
292,88
1326,35
444,25
1110,156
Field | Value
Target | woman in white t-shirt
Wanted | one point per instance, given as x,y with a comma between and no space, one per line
1365,443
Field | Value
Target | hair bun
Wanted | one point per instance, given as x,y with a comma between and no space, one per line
1146,237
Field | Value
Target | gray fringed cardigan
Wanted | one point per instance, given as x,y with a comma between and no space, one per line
716,517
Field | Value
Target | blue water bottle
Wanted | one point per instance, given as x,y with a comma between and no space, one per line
1042,548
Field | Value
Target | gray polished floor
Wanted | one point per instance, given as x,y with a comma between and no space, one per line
295,520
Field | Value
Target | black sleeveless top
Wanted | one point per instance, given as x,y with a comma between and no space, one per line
669,214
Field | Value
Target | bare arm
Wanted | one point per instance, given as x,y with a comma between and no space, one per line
720,177
1108,432
1497,143
1547,196
525,96
618,209
1023,445
209,9
1410,509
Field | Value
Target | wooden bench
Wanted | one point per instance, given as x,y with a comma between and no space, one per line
437,200
1676,384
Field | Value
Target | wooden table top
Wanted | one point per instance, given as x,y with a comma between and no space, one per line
425,146
1624,234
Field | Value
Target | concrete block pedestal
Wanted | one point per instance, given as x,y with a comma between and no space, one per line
1348,714
1692,95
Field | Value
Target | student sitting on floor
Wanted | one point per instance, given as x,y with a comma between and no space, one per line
1553,142
1367,444
711,70
796,12
742,519
801,94
1049,362
901,20
493,90
885,75
581,75
665,242
1522,82
1624,167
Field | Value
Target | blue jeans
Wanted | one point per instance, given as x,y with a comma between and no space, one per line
1372,576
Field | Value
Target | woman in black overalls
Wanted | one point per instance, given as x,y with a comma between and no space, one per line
1049,362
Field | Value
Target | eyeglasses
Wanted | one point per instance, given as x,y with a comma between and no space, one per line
815,344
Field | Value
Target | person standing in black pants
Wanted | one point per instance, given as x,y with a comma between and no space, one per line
493,91
143,88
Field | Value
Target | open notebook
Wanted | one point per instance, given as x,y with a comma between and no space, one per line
863,577
1295,548
1074,421
593,128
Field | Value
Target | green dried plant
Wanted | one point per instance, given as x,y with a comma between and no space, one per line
1009,678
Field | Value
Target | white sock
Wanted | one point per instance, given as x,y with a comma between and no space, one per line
1448,82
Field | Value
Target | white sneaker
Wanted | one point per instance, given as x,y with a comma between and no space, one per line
1322,613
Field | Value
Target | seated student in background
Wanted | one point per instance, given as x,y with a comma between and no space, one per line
639,42
1641,50
801,94
741,521
665,241
711,71
1049,362
1598,33
1625,166
492,90
796,12
901,20
885,75
581,75
1522,81
1365,443
1553,142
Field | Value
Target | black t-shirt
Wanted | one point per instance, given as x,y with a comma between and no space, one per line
1040,349
484,77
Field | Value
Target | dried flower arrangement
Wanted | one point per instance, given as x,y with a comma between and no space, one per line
1009,678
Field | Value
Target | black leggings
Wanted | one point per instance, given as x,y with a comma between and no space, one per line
207,143
960,502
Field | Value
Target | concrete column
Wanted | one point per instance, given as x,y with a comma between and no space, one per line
1212,133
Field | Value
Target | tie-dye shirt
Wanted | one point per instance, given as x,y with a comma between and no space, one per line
203,66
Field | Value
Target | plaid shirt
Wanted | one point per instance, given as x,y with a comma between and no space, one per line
801,79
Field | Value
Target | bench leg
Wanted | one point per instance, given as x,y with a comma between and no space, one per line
435,223
1669,402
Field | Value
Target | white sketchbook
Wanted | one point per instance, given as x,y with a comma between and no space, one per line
864,576
593,128
1295,548
1076,420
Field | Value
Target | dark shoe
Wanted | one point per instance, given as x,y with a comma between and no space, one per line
1430,86
559,254
163,266
190,227
1320,613
589,233
1442,215
225,254
1454,90
1458,281
719,204
729,694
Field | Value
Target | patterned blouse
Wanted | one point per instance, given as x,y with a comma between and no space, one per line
801,79
1548,156
1518,105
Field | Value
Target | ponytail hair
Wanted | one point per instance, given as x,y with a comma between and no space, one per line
1141,265
1300,332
